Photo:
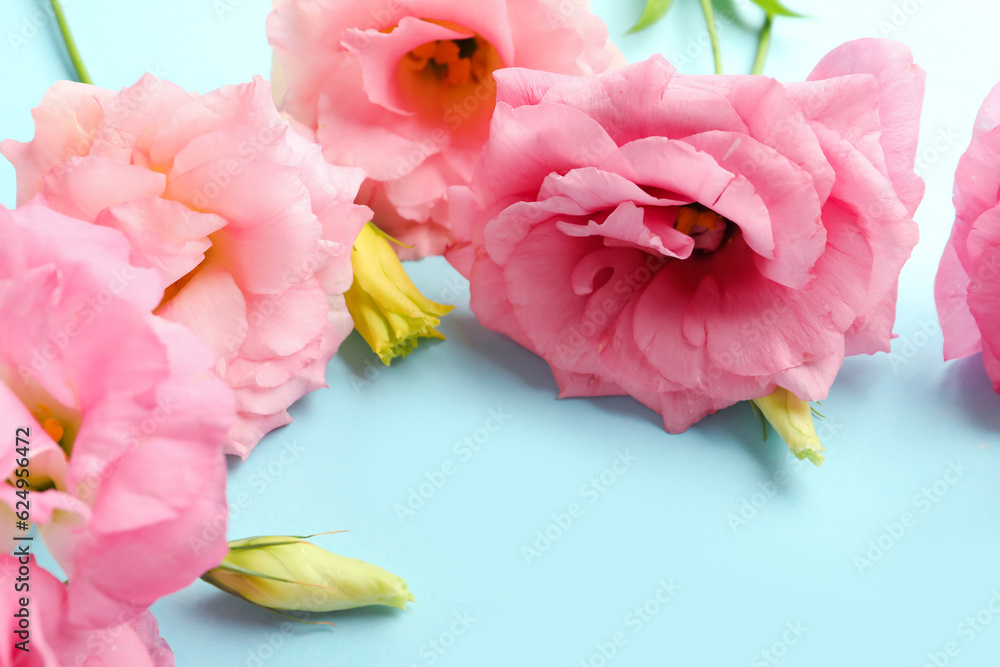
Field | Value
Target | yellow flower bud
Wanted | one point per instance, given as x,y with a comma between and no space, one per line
792,418
389,311
288,573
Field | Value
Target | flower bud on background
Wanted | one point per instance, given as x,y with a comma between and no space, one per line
288,573
792,418
389,311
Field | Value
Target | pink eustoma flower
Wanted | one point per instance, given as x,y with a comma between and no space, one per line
56,638
404,89
967,289
125,420
695,241
249,226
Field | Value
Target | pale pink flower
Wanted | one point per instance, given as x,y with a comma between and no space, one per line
54,638
249,226
967,289
404,89
125,420
694,241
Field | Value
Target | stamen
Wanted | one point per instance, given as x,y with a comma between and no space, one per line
456,62
687,218
460,71
425,51
709,219
53,428
446,52
691,216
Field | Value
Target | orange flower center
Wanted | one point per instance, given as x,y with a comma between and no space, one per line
454,62
692,217
705,226
450,82
49,422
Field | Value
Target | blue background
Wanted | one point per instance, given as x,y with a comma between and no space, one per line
753,541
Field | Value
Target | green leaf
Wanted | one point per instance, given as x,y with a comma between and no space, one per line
775,8
653,12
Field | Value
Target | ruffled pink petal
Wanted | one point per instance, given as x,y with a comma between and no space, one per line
679,167
360,133
900,97
268,315
771,116
869,207
214,308
163,234
132,118
984,303
789,194
65,124
250,427
951,285
630,226
83,187
532,142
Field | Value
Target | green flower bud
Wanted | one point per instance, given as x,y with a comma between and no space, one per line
288,573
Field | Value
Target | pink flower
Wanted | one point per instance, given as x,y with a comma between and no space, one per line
125,420
54,636
694,241
404,89
967,289
247,224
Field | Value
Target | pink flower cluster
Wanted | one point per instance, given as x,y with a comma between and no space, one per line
123,425
249,227
171,282
173,278
405,90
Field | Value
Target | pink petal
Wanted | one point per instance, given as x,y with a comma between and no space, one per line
961,332
214,308
163,234
901,94
83,187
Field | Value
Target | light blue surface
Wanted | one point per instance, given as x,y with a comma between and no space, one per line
898,424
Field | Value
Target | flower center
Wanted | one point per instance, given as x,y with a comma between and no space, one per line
60,422
450,81
454,61
705,226
50,425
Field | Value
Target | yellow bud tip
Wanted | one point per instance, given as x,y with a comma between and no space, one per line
792,418
388,310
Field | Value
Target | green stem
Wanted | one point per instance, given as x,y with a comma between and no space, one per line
706,6
74,55
763,44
